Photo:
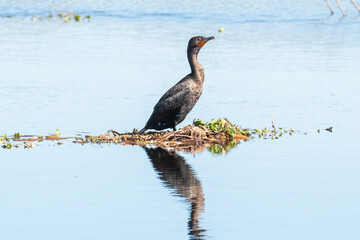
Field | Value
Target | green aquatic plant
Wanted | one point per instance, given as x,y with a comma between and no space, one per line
7,146
275,133
222,125
77,18
17,136
67,16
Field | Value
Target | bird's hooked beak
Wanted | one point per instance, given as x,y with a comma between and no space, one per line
205,40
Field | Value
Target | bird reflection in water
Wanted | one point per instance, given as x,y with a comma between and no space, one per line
178,175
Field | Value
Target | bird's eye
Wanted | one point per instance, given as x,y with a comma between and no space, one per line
199,39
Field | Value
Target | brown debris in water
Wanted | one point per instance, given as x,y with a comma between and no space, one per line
188,139
217,136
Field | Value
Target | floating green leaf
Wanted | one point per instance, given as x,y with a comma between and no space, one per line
16,136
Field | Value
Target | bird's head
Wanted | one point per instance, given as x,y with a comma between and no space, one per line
196,43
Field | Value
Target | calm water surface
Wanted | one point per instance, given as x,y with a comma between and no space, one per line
283,59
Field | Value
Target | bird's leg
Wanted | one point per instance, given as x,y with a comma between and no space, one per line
329,6
341,8
355,5
174,128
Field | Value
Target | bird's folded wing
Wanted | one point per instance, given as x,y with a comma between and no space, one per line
172,102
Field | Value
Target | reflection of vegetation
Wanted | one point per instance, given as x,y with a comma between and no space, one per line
222,148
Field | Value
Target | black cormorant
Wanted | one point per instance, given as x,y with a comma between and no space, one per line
178,101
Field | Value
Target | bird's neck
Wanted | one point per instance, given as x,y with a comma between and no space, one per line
196,69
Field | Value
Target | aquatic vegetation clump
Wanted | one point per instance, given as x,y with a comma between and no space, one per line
190,138
223,125
218,136
5,141
27,141
64,15
274,133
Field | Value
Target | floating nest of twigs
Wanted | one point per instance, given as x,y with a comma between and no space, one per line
218,136
189,139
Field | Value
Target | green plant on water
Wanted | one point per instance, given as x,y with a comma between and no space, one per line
199,122
77,18
7,146
63,16
17,136
222,125
275,133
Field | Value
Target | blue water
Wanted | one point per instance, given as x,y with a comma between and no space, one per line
286,60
